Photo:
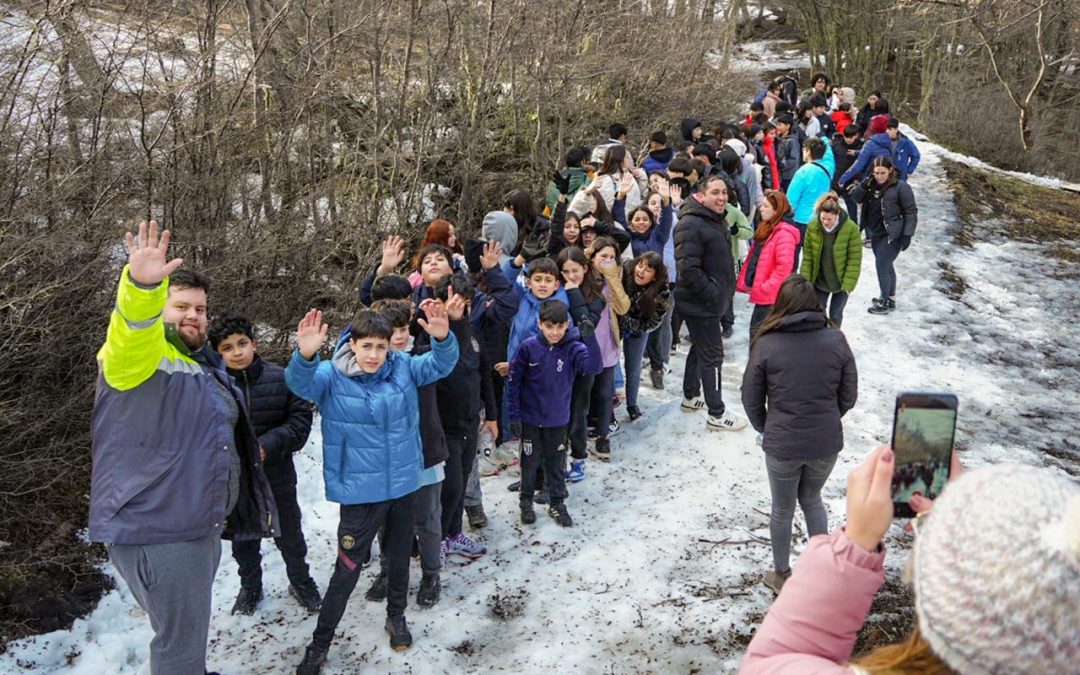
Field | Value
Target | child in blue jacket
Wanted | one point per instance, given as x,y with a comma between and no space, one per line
541,380
372,458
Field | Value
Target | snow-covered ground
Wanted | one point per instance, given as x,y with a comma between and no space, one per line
661,572
771,54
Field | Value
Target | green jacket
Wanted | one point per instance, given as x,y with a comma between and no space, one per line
735,216
847,252
578,178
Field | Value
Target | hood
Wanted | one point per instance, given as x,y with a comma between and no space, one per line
687,126
695,208
738,146
346,364
784,225
803,321
501,226
882,140
663,155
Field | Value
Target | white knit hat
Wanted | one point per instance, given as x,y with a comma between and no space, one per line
997,572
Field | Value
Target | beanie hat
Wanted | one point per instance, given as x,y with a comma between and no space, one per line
997,572
474,250
879,124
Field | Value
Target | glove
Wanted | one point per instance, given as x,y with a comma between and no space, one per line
586,328
562,182
904,243
734,229
515,428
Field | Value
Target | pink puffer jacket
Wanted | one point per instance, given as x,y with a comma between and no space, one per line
776,263
812,626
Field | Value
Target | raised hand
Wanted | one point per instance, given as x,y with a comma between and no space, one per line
311,333
676,194
626,183
490,258
869,499
393,252
567,283
147,255
455,305
437,324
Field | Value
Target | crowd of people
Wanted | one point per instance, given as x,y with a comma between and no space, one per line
517,346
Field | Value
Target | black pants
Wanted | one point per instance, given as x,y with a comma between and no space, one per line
703,362
601,407
759,314
579,414
835,309
852,207
885,254
676,323
801,227
729,316
543,446
356,530
291,544
462,449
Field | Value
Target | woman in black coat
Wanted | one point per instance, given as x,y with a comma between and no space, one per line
800,380
889,217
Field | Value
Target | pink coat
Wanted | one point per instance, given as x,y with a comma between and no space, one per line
812,626
776,263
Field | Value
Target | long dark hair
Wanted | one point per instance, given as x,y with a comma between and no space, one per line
590,285
524,208
796,295
647,299
613,160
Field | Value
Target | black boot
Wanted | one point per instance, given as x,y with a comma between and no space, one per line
633,412
247,600
541,497
429,592
307,594
312,664
602,449
400,637
476,515
377,592
886,306
561,516
528,516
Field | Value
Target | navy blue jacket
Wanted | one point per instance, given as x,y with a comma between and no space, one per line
542,377
656,237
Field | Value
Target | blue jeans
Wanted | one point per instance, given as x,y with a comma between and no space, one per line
658,346
885,254
791,480
633,352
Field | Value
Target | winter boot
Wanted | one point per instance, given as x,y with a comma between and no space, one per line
885,307
400,637
727,332
656,378
430,588
514,487
541,497
528,516
725,422
602,449
559,513
477,518
377,592
465,547
247,600
576,473
775,580
307,594
633,412
313,661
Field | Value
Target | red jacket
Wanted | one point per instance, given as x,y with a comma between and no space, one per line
841,119
770,152
776,263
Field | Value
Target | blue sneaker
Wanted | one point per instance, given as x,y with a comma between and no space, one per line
577,471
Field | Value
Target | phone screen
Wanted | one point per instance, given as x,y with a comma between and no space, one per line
923,436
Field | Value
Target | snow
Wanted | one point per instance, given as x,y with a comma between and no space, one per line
771,55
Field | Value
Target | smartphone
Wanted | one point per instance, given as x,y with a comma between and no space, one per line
924,428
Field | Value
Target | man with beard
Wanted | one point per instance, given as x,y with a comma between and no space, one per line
176,462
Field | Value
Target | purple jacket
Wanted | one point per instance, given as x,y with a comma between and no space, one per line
542,377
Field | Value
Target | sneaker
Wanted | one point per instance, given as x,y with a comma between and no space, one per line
727,332
312,664
775,580
692,404
429,592
488,466
885,307
462,545
444,550
542,497
633,412
400,637
760,440
593,432
656,378
506,455
576,474
875,302
528,516
559,513
307,594
514,487
613,427
477,518
725,422
377,592
247,600
602,449
866,243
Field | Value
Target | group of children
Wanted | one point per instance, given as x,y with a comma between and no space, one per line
511,347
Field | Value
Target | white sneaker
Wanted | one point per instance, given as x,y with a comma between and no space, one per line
505,456
693,404
725,422
488,466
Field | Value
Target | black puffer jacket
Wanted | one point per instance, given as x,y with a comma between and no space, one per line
843,159
459,392
706,275
896,201
281,419
800,380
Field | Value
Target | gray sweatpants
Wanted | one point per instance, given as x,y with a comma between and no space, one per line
172,583
428,530
792,480
474,496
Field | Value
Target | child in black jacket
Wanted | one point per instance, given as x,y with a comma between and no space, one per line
282,421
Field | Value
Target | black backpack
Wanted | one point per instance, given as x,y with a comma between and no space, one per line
789,90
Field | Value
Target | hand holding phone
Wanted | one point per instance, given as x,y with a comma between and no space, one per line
924,430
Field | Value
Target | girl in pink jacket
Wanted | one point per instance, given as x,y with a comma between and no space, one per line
996,574
771,258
